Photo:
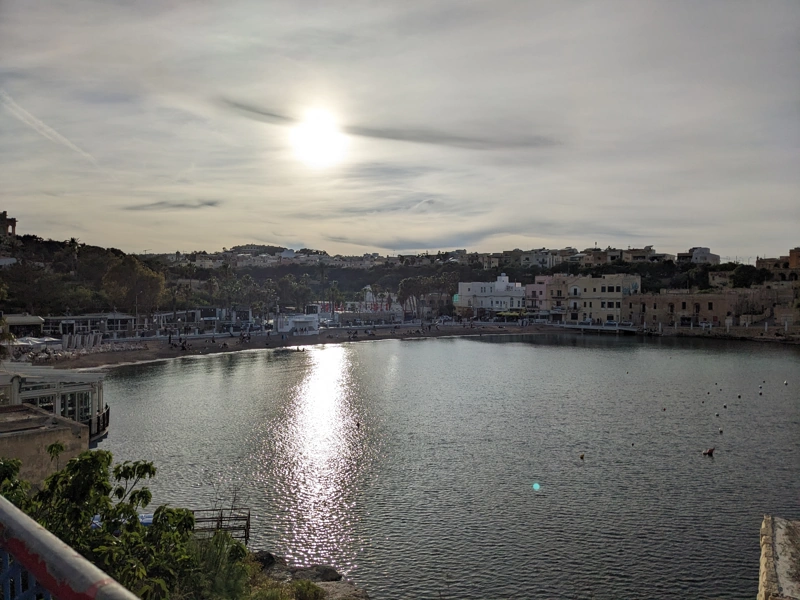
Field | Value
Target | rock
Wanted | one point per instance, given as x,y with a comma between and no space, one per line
342,590
266,559
316,573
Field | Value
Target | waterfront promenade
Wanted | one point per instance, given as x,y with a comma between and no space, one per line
152,349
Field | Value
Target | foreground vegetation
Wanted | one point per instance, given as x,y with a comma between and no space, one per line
94,509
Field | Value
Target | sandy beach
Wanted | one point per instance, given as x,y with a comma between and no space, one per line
159,349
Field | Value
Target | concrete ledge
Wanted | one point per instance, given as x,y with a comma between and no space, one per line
779,575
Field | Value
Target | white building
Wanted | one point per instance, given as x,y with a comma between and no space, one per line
482,298
299,323
699,255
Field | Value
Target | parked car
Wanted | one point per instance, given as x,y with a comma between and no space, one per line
585,322
626,324
610,324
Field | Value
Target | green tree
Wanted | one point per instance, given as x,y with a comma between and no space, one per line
94,509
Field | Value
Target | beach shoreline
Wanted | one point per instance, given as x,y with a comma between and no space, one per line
158,349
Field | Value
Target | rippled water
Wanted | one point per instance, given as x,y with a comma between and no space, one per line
409,465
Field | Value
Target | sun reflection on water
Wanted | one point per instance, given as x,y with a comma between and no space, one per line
317,459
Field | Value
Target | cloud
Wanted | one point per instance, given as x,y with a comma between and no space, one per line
416,136
533,123
39,126
169,205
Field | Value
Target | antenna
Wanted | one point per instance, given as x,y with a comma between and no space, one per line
147,250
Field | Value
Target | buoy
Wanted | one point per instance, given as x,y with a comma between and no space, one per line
631,443
739,396
581,456
709,393
785,383
720,429
761,386
663,409
724,406
716,414
760,394
703,402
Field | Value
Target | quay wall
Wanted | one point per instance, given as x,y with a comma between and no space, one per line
29,443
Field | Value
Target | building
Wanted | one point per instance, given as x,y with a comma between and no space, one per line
485,299
114,323
688,308
27,431
784,268
306,323
73,395
8,225
536,297
597,299
24,325
698,255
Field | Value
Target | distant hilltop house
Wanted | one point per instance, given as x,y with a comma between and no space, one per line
784,268
698,255
8,225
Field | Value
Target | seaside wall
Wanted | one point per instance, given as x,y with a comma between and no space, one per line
778,577
28,433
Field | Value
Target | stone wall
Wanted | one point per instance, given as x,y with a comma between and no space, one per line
29,444
778,577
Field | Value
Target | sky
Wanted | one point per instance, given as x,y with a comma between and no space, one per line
398,127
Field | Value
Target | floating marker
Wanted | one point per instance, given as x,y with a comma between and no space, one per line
716,414
739,396
760,394
720,429
536,487
581,456
724,406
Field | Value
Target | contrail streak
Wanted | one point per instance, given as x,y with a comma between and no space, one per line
39,127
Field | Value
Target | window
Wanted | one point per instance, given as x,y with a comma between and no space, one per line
630,305
584,304
655,306
558,302
710,306
602,305
590,305
654,318
618,305
603,289
541,292
671,308
594,289
683,305
584,289
619,288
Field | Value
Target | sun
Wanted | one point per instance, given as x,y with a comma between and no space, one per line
317,141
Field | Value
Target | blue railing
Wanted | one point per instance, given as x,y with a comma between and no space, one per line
36,564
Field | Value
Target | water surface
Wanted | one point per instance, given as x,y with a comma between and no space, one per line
409,465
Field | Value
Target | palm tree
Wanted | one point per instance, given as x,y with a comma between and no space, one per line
212,287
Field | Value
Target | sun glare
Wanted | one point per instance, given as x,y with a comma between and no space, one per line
317,140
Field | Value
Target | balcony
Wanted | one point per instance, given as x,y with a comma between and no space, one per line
36,564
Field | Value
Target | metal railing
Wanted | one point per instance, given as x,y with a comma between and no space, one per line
235,521
36,564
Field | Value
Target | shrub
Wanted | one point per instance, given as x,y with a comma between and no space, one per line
307,590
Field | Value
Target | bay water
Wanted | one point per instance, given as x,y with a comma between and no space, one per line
530,466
